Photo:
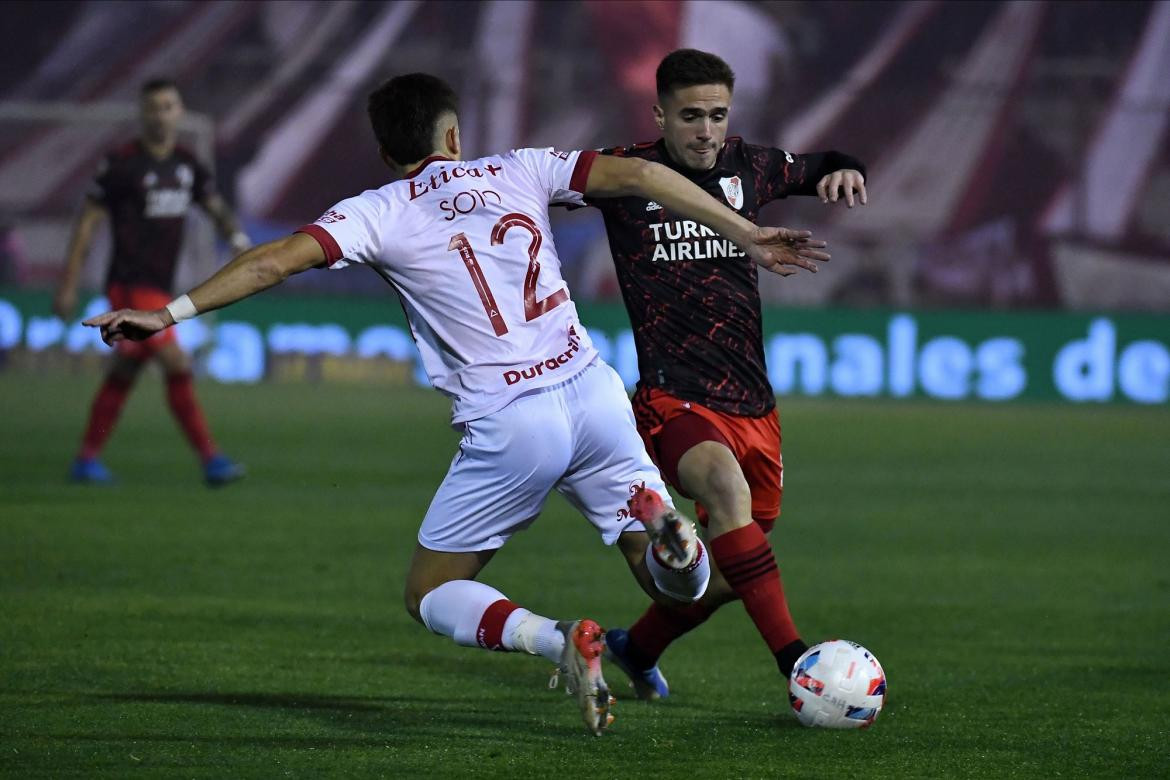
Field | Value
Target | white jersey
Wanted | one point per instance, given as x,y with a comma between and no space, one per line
468,246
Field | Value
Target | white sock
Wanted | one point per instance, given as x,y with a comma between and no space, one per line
459,609
531,633
686,584
456,608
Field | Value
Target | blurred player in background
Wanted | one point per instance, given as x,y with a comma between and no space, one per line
468,247
146,187
704,405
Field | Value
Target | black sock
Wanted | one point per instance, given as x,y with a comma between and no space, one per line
787,656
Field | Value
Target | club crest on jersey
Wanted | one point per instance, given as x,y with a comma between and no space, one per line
733,191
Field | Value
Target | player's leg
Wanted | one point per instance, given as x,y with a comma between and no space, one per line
665,620
674,586
218,469
612,481
612,468
103,416
638,649
497,484
442,594
711,473
697,457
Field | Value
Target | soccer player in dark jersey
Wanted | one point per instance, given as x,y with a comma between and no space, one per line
146,187
704,406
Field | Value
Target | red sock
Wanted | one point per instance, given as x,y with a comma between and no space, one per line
490,633
103,415
659,626
746,560
181,397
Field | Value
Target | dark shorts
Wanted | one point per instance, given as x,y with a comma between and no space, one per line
670,426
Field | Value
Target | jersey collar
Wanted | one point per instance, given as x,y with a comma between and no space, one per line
419,168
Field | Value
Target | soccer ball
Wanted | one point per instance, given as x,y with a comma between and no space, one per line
837,685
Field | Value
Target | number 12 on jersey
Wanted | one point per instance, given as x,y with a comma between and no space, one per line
533,308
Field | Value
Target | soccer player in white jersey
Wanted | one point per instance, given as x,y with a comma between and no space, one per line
468,247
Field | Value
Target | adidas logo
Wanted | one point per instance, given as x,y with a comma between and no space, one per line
652,206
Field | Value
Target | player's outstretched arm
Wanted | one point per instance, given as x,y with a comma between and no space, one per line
776,249
257,269
91,215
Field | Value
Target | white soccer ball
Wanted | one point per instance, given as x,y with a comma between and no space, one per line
837,685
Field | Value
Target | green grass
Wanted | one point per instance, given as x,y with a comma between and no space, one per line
1009,566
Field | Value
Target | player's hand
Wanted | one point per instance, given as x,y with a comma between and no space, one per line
65,302
132,324
784,252
842,184
239,242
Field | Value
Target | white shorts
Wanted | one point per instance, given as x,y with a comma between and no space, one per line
578,437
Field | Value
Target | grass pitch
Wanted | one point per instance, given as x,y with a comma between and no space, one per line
1009,566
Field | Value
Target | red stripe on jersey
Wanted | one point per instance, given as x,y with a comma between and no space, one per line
581,171
328,244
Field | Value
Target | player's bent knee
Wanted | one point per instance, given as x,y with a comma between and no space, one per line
415,591
712,473
727,485
413,600
724,492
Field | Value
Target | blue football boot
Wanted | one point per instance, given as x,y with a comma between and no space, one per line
649,683
220,470
90,471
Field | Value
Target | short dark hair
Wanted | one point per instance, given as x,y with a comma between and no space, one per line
691,67
404,112
157,85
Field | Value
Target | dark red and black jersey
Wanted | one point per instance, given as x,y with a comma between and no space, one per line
693,297
148,199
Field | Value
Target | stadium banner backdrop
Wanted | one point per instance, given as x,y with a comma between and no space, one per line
943,355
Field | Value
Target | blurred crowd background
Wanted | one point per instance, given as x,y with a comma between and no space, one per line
1018,152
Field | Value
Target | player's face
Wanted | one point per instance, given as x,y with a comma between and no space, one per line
161,111
694,123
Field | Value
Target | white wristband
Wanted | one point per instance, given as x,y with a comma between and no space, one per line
181,309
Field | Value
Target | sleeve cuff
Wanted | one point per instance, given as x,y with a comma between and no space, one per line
327,242
581,171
